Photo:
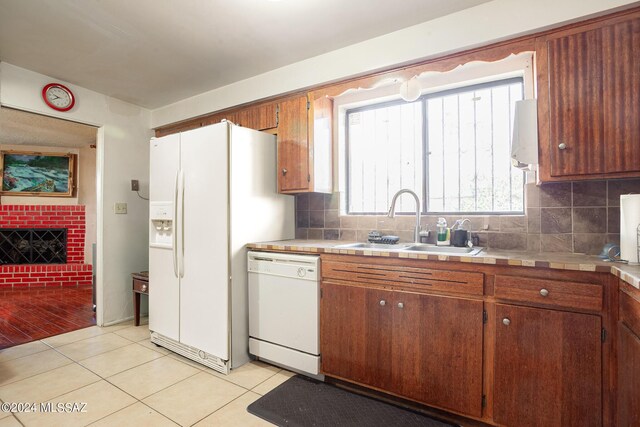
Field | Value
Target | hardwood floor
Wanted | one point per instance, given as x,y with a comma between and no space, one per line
35,313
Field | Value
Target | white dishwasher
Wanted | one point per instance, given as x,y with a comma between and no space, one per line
284,309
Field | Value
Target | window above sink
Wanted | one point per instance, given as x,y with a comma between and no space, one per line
451,146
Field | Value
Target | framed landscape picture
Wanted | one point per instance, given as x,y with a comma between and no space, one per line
37,174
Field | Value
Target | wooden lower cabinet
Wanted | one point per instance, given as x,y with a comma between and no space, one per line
547,368
423,347
436,351
629,357
628,377
355,334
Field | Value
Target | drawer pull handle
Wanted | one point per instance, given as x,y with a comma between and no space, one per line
400,305
284,171
562,146
383,302
144,288
544,292
506,321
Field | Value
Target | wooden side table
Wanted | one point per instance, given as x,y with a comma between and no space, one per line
140,286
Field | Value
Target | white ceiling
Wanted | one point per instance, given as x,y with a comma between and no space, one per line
155,52
22,128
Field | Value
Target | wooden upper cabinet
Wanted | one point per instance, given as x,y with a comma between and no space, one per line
622,96
305,145
547,368
573,78
589,101
293,146
260,117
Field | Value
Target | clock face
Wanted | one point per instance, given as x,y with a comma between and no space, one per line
58,97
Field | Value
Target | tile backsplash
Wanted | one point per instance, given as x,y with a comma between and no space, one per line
561,217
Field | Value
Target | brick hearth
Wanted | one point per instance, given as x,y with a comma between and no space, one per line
74,273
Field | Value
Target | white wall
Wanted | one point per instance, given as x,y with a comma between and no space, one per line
87,196
481,25
123,154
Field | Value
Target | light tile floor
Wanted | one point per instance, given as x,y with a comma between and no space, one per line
124,379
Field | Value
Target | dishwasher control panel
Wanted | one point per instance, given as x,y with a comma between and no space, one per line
304,267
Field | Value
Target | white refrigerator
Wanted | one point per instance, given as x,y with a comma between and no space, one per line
212,191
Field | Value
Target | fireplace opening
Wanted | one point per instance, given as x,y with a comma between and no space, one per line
33,245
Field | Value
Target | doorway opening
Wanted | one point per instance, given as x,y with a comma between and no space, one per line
42,292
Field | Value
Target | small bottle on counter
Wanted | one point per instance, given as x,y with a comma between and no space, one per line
424,234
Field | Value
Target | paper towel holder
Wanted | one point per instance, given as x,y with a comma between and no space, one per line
524,141
638,241
630,228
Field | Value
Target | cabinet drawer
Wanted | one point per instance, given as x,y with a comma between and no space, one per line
456,282
629,304
140,286
566,294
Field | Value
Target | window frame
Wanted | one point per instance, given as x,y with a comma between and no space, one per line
425,145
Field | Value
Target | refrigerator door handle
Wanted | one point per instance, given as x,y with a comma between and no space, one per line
181,263
174,239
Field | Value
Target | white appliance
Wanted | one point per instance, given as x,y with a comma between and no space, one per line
212,191
284,309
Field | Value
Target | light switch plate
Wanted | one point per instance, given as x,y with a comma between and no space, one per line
120,208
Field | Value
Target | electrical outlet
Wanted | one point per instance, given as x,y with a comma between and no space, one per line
120,208
135,185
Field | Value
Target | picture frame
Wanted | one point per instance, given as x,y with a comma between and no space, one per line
28,173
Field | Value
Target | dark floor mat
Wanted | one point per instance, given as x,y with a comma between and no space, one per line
301,401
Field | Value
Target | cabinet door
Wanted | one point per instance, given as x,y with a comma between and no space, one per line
548,368
355,334
265,116
293,146
260,117
574,78
628,378
437,351
622,96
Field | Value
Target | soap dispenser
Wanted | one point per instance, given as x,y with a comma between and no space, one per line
443,233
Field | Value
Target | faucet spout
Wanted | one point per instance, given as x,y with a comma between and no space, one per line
392,211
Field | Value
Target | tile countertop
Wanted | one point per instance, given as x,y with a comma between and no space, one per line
561,261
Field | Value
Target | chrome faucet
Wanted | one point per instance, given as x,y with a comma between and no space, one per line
392,211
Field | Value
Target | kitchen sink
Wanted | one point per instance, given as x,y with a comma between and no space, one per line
380,246
444,250
413,247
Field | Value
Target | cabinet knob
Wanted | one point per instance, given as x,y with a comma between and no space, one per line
544,292
562,146
383,302
144,288
400,305
506,321
284,171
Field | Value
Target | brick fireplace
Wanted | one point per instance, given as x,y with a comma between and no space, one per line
70,218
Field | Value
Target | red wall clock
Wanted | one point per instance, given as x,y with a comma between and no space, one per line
58,97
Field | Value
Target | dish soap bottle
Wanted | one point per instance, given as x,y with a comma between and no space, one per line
443,233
